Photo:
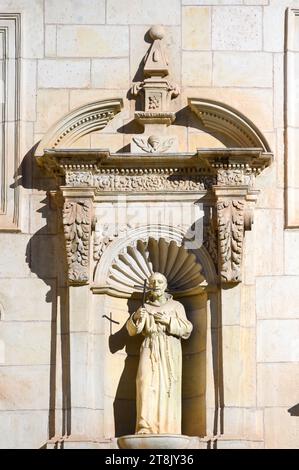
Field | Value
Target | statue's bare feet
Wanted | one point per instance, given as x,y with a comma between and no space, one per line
144,431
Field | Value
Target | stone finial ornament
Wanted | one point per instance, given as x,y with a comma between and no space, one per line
158,93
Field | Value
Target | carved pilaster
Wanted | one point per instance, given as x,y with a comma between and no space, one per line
230,218
234,216
77,224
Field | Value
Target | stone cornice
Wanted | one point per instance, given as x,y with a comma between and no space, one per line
58,160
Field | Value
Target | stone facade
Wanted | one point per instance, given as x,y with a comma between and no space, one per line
64,361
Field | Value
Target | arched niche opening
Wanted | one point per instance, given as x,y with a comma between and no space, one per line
189,272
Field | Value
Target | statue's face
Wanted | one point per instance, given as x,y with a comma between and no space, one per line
157,285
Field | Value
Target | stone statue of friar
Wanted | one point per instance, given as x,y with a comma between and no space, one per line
163,322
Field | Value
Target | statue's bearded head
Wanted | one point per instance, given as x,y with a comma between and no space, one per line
157,285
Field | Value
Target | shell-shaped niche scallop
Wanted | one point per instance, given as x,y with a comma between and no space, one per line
136,263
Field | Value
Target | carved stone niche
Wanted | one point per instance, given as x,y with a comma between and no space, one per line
216,187
224,176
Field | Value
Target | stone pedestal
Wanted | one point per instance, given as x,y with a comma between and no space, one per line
153,441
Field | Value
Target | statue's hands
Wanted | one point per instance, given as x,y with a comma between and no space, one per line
139,314
163,318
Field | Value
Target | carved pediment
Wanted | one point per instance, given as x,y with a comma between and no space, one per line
79,122
224,176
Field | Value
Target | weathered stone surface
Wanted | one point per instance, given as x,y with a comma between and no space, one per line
211,2
282,436
278,86
254,103
277,340
256,2
92,41
51,106
197,69
237,28
239,444
201,139
274,19
75,11
166,12
237,69
248,313
231,310
63,73
268,240
270,196
78,299
291,262
277,384
36,305
26,343
83,96
110,73
50,40
243,422
28,110
24,388
31,427
196,28
12,260
271,295
239,367
114,142
32,46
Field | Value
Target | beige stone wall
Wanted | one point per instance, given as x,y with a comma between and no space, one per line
73,53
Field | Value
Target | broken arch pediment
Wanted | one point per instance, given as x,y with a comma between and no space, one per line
229,122
226,175
79,122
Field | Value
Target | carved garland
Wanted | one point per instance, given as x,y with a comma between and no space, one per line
77,229
230,215
141,180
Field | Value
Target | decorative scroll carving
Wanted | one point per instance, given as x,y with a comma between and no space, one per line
153,182
104,235
228,177
235,177
77,228
230,217
137,179
79,178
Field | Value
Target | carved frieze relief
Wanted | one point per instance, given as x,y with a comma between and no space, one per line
235,177
150,179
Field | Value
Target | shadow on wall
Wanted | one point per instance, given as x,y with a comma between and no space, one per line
294,411
43,251
125,398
